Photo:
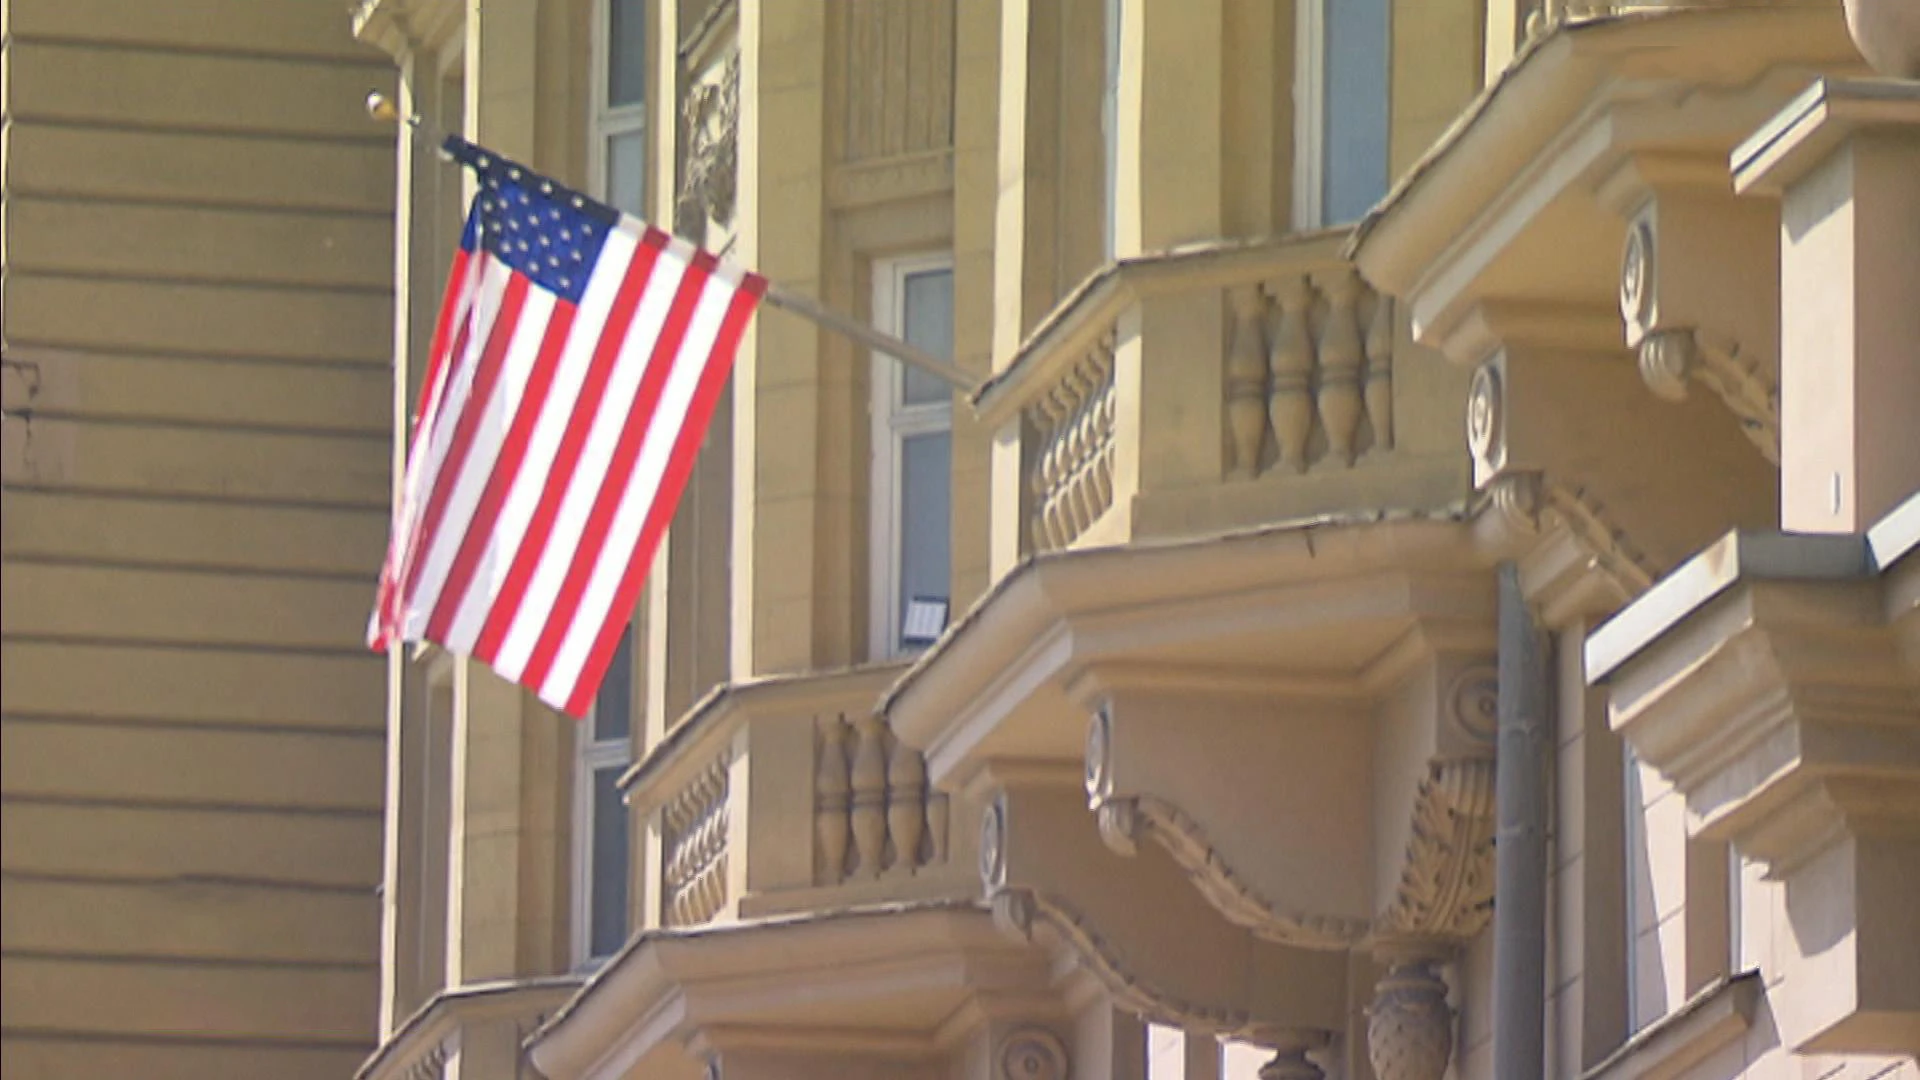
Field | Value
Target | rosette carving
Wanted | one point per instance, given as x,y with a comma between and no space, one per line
1032,1053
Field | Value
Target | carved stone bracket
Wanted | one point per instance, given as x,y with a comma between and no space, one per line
1446,882
1523,508
1670,359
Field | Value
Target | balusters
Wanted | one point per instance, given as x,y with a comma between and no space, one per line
1339,389
1326,366
906,806
1290,400
1071,477
937,815
694,862
1246,382
869,814
832,793
872,802
1379,385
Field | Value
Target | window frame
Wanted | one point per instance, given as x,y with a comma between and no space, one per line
893,422
1310,114
606,120
591,756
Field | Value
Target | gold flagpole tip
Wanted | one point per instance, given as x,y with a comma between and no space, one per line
381,107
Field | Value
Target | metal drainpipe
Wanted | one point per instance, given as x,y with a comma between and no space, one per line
1520,852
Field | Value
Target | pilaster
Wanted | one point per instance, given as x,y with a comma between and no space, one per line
778,375
506,888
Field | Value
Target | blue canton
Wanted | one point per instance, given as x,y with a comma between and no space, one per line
537,227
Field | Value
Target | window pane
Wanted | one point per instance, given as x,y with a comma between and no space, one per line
607,921
626,52
925,511
928,319
1355,138
613,706
626,171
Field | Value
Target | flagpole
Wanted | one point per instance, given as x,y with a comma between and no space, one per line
905,352
381,107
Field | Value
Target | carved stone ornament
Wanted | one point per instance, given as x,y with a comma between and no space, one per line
1473,703
1099,772
1409,1024
1887,33
1636,275
993,845
1446,881
1031,1053
1671,358
1484,413
712,117
1290,1061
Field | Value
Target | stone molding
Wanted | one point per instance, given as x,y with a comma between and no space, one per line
1671,359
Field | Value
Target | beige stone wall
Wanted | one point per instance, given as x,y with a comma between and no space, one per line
197,260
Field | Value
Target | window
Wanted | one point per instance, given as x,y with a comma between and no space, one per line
602,854
1340,97
619,146
912,459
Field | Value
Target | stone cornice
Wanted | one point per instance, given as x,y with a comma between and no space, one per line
1047,620
1712,1018
421,1043
712,982
1536,102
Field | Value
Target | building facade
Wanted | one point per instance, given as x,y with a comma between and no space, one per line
1399,423
196,268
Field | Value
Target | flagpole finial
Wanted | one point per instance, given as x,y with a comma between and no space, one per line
382,108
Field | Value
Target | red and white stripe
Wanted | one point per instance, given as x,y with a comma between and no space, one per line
552,445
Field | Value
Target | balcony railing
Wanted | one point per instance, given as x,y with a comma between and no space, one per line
789,794
1221,386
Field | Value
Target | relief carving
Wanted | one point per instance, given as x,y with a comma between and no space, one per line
1446,881
1032,1053
712,118
1410,1024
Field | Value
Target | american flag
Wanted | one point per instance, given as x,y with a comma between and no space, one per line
577,360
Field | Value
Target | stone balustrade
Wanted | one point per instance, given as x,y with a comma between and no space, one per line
1309,372
788,794
1071,474
693,829
1219,387
874,814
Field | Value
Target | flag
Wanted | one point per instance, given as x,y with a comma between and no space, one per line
575,364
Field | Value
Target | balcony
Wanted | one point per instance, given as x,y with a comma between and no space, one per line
788,795
469,1031
1219,387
